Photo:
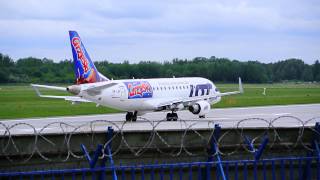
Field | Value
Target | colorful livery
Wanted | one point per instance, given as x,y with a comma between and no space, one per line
137,96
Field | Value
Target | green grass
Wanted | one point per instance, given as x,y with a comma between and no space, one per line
276,94
20,101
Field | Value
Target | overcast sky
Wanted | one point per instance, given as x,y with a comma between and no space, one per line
264,30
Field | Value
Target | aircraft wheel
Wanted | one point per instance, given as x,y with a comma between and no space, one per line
134,116
129,116
174,116
169,117
203,116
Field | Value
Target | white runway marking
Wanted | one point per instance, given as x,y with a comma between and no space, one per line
227,118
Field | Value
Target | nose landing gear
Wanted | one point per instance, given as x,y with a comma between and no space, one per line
172,116
131,116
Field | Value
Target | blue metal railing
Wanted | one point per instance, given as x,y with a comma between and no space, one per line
215,168
276,168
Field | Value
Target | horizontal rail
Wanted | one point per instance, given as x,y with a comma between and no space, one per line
161,166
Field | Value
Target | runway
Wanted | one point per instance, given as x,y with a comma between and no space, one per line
248,117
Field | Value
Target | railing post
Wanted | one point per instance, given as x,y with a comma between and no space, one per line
249,144
315,151
316,138
97,153
108,152
215,151
262,146
257,152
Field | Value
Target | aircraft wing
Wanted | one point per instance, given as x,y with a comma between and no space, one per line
190,100
158,104
67,98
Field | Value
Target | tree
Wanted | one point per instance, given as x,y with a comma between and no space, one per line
32,69
6,67
307,74
316,70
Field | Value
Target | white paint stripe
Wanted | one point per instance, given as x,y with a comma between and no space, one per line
282,114
271,106
64,117
85,118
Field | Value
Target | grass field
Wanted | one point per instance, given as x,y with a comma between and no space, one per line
20,101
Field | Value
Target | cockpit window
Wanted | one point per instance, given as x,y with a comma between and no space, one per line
217,90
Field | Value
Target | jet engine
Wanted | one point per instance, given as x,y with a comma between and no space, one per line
201,108
74,89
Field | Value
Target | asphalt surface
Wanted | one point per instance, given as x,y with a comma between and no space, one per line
249,117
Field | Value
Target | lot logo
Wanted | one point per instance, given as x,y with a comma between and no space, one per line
139,89
203,88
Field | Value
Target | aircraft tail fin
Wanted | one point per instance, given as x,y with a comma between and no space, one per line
84,68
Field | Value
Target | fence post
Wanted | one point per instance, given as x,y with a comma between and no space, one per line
97,153
215,151
316,138
261,147
107,152
315,151
257,152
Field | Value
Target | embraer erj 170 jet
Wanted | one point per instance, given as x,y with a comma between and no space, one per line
137,96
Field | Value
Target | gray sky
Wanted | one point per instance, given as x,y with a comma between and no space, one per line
264,30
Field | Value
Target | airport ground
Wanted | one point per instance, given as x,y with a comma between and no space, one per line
20,101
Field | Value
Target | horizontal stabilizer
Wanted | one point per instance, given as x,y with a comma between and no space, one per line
67,98
49,87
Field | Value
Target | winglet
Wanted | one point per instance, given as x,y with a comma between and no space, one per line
240,86
36,89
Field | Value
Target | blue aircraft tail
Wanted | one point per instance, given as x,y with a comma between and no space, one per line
84,68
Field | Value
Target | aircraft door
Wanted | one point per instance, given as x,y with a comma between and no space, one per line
119,92
116,92
122,93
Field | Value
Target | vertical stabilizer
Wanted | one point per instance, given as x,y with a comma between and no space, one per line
84,68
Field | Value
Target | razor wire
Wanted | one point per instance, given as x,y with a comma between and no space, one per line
155,140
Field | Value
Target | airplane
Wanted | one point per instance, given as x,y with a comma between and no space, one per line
136,96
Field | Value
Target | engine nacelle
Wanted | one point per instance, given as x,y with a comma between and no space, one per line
74,89
200,108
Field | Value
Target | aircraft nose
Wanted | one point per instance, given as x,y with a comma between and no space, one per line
74,89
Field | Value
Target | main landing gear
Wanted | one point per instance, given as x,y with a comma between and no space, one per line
172,116
131,116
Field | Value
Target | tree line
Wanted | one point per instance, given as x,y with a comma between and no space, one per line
35,70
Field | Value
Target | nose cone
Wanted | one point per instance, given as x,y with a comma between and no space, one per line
74,89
